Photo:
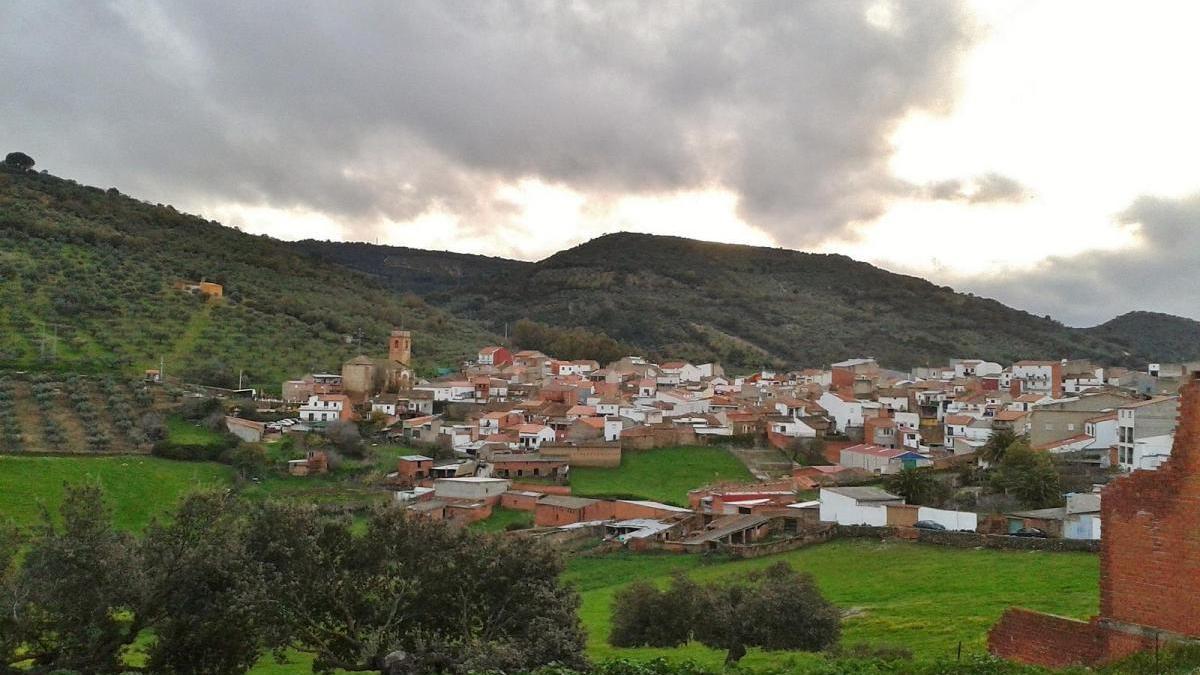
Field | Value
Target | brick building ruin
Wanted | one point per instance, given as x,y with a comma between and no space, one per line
1149,567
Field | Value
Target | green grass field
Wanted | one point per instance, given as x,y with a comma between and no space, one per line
919,597
138,487
184,432
501,518
663,475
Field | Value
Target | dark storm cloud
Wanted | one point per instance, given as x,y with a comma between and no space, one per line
1161,273
362,110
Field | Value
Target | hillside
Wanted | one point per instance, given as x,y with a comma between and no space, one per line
751,306
86,285
1161,337
411,270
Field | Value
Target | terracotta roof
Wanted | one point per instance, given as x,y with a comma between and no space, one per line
959,419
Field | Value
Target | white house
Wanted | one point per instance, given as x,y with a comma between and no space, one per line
448,391
896,403
612,429
531,436
683,402
976,368
856,505
1038,376
1144,431
325,408
470,487
791,427
846,411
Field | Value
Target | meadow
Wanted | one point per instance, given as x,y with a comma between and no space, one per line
922,598
138,487
664,475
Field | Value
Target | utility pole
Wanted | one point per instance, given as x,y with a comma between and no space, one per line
241,372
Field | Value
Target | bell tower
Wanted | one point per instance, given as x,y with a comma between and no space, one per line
400,346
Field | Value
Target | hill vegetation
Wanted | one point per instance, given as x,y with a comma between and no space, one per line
86,285
750,306
87,275
1161,337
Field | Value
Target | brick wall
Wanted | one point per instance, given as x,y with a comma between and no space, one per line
1149,566
1058,642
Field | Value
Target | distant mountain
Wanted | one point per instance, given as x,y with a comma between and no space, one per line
87,284
1160,337
410,269
750,306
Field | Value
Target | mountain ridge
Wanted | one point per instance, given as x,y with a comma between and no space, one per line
86,276
591,284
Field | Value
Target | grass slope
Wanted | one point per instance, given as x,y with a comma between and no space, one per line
138,487
664,475
89,273
922,598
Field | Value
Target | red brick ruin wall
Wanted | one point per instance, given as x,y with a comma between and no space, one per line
1150,552
1149,566
1056,642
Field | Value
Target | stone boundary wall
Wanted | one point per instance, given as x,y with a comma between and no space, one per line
742,551
1006,542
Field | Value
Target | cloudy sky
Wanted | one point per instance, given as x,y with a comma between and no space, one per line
1040,152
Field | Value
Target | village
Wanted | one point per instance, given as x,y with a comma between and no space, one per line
826,448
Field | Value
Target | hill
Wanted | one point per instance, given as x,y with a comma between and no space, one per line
1161,337
86,285
751,306
410,270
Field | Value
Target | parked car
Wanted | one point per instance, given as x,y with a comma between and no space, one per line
929,525
1030,532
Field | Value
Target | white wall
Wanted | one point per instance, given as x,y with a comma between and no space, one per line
953,520
843,510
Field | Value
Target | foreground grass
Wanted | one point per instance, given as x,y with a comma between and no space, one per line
922,598
663,475
138,487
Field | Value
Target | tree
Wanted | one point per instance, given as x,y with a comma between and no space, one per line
84,587
345,436
206,599
808,452
644,615
502,609
917,486
250,459
997,444
15,614
19,161
775,609
1029,476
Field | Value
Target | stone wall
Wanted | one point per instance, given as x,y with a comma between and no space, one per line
1001,541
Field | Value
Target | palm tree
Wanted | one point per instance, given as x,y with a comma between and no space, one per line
997,445
917,486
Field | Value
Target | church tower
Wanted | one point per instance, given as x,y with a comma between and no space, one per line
400,346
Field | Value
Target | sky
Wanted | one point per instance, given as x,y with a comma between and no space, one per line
1042,153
